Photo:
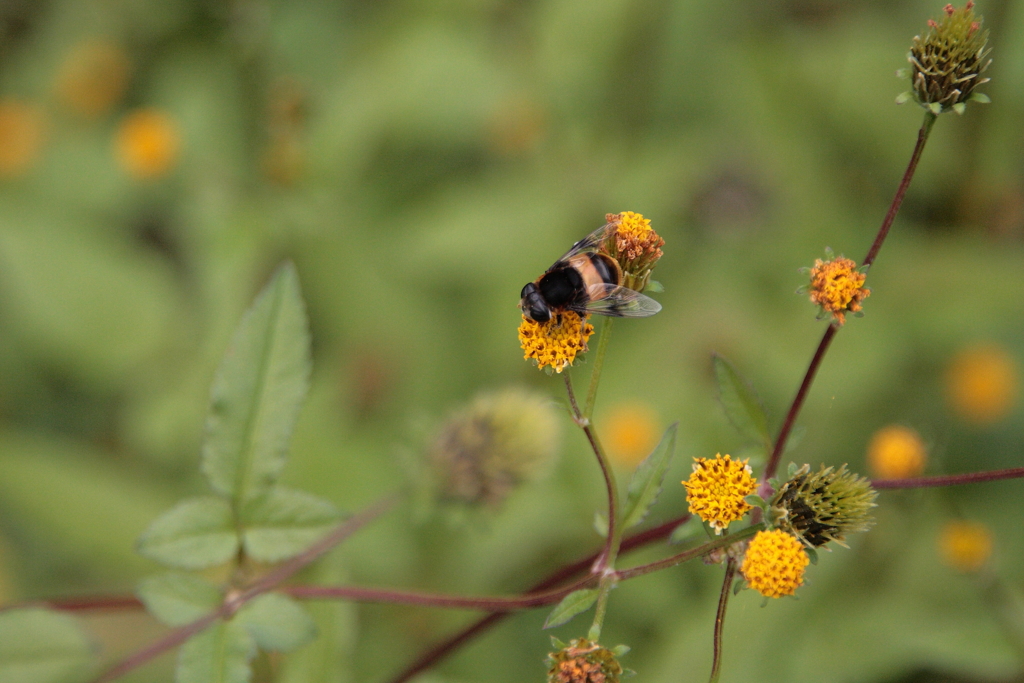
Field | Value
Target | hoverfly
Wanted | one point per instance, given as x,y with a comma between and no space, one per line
584,280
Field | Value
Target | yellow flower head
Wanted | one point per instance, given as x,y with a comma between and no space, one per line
774,563
583,661
147,143
717,488
634,244
896,452
982,383
837,287
93,77
22,132
630,431
966,546
557,342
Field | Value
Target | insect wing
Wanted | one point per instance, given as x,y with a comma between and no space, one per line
620,302
589,243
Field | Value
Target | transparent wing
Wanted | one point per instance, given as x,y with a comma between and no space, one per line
589,243
619,302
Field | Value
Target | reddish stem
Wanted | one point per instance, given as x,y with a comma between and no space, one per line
949,480
723,602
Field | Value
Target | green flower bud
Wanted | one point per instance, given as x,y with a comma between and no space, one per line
947,63
484,451
823,506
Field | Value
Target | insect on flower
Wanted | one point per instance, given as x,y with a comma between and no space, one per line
585,280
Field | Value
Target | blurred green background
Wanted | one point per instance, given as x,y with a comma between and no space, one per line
420,162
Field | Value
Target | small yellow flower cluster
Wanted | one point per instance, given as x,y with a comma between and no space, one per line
635,246
147,143
837,287
774,563
896,452
717,488
557,342
982,383
583,661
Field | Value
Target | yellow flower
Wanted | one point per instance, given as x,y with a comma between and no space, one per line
896,452
631,432
774,563
837,287
982,383
966,546
21,136
636,247
557,342
717,488
147,143
583,661
93,77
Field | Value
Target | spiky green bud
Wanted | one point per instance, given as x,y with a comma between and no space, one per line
823,506
947,62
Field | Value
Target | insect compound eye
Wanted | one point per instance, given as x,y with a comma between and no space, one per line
527,288
539,313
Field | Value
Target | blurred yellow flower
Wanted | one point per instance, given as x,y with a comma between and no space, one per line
896,452
966,546
557,342
22,128
93,77
717,488
147,143
982,383
774,563
630,432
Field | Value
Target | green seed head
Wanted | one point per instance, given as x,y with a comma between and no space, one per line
946,64
823,506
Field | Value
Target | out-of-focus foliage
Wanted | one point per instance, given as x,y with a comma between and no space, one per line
419,163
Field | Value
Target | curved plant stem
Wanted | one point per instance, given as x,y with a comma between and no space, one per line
233,602
686,555
883,232
454,642
595,374
723,602
949,480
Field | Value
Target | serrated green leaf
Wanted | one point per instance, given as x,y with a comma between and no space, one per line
177,599
195,534
284,522
220,654
647,479
600,524
40,646
277,622
258,391
741,404
571,605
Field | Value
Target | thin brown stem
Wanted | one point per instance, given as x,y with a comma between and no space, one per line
723,602
454,642
688,555
97,603
397,597
949,480
794,408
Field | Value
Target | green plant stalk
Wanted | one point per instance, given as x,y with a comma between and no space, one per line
595,374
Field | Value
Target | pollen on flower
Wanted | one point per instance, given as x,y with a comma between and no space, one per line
557,342
635,245
774,563
717,489
837,287
896,452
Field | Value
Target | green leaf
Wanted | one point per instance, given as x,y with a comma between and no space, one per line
177,599
903,98
220,654
40,646
571,605
277,622
960,108
195,534
258,391
285,522
741,404
653,286
980,98
812,555
647,479
691,528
